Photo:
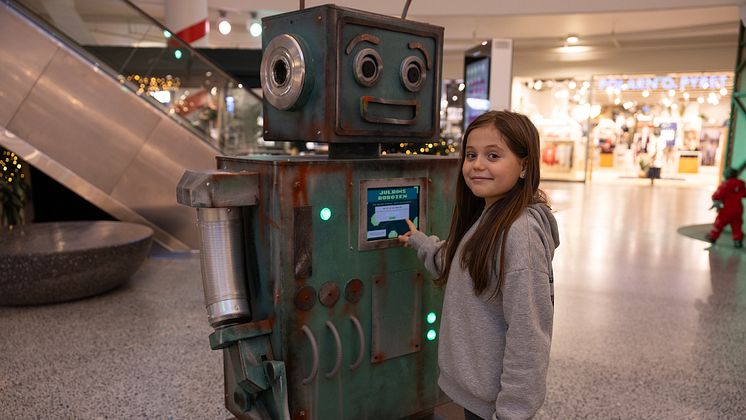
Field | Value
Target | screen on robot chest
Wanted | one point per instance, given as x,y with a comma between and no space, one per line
387,211
385,206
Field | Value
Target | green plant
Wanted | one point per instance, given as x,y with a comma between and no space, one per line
14,189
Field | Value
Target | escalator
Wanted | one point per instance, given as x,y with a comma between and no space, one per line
116,136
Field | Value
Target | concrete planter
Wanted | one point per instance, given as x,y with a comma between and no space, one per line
55,262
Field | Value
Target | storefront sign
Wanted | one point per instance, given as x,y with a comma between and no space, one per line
665,82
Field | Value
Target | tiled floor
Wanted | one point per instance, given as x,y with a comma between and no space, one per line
649,324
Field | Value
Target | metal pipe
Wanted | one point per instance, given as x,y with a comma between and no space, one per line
223,266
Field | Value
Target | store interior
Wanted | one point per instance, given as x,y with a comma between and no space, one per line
626,128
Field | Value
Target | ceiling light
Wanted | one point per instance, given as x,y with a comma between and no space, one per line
255,27
573,49
223,25
723,91
572,39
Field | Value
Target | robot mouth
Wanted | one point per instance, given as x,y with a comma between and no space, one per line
389,111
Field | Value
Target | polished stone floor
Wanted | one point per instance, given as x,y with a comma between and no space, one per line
649,324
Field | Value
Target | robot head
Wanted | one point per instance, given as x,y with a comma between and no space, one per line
331,74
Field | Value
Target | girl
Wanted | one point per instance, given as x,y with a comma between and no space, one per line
496,266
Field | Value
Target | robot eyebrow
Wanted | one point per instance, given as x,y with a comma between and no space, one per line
362,38
417,46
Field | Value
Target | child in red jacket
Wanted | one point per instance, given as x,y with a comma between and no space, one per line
728,198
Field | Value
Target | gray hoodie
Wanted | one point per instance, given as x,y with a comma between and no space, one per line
494,352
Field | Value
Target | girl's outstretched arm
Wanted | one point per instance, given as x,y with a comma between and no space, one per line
429,248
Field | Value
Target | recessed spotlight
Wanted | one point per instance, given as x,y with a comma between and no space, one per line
255,27
223,25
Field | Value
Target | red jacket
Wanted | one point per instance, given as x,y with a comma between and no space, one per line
731,192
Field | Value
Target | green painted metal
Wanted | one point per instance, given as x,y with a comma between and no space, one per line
255,384
339,322
735,155
225,336
334,101
380,388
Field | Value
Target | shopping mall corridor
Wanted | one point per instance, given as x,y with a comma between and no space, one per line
649,324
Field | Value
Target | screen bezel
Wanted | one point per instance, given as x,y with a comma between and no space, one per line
362,240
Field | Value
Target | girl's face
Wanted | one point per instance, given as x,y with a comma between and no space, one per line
490,168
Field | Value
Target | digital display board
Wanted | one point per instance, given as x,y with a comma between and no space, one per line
385,205
477,91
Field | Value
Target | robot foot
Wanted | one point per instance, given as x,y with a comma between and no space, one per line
738,244
711,239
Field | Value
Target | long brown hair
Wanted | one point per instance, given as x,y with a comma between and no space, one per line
480,250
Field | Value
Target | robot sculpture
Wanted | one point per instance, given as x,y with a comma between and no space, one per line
319,312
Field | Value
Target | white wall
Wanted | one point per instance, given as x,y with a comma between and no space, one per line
554,65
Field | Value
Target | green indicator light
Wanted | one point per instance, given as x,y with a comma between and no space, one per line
325,214
177,54
167,34
431,318
431,334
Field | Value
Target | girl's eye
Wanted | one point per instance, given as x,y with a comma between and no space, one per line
493,156
471,155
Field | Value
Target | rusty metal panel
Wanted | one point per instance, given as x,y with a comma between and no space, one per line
351,77
397,325
302,242
338,295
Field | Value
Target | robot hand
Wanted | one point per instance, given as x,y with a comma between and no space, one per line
717,205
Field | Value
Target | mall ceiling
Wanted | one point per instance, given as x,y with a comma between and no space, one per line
664,35
615,36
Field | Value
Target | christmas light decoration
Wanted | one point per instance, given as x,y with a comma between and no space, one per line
14,189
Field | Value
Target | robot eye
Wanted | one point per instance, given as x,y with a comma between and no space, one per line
413,73
368,67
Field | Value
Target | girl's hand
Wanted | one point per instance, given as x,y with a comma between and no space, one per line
405,238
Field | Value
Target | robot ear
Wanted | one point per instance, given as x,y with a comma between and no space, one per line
283,72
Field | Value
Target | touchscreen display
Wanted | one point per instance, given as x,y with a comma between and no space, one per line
388,209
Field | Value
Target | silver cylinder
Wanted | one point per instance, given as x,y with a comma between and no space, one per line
223,266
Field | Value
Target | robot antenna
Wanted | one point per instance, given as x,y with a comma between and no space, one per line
406,9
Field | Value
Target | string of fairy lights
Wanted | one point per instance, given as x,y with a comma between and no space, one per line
12,169
154,84
442,147
13,189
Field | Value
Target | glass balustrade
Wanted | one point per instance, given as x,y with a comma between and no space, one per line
146,58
